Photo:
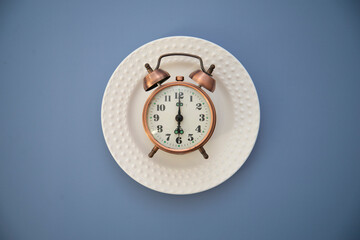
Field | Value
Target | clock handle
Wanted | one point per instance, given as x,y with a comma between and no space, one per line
181,54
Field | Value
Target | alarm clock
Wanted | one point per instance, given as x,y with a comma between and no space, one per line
179,117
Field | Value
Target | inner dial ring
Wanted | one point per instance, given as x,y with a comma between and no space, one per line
163,124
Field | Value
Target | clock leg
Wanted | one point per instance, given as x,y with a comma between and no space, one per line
203,152
153,151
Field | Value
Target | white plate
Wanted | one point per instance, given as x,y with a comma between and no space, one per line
235,100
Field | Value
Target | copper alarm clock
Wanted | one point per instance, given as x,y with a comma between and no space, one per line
179,117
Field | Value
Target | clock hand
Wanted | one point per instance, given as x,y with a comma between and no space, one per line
179,118
178,129
179,102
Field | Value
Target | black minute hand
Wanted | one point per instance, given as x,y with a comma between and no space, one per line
179,117
179,103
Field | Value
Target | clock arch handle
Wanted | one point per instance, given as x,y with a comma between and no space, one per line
181,54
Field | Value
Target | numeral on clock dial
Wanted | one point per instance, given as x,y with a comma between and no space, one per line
160,107
179,94
198,128
198,106
190,138
202,117
178,140
168,136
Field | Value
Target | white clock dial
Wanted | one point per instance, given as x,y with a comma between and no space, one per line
179,117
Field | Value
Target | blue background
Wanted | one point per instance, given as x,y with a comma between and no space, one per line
59,181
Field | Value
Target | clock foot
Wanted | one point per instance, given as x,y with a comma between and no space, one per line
203,152
153,151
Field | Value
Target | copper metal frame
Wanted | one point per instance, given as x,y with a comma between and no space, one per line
180,151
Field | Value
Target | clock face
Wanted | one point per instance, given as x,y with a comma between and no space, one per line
179,116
